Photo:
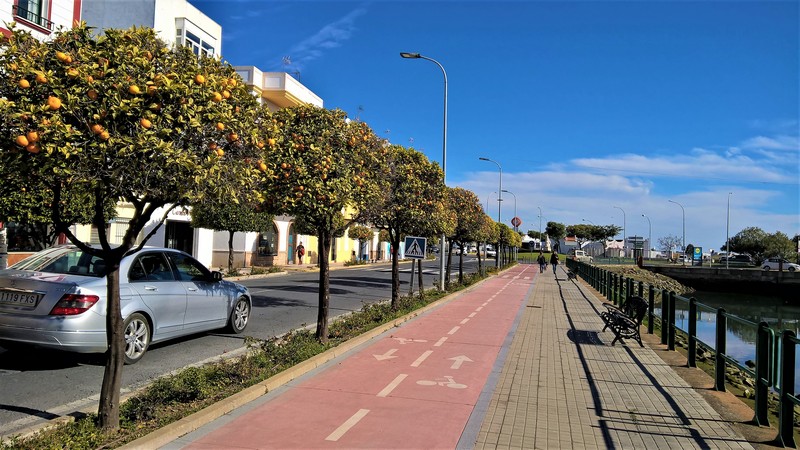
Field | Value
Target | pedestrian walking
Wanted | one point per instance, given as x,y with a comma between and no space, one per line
554,261
542,262
301,251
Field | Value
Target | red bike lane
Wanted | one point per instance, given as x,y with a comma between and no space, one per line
415,387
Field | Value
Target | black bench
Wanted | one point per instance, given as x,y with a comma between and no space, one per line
625,321
571,275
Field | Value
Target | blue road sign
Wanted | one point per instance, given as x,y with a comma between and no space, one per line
415,247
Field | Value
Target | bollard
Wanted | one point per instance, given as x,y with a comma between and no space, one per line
651,301
786,420
691,360
664,315
719,359
671,322
763,379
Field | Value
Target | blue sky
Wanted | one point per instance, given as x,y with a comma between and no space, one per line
591,108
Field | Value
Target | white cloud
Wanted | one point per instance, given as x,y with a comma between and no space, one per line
328,37
781,142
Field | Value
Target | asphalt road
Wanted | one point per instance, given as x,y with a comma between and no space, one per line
40,385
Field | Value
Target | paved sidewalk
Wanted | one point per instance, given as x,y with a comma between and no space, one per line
542,376
564,386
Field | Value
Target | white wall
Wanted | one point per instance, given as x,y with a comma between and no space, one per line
62,13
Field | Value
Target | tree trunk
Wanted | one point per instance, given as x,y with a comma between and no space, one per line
108,410
419,280
395,272
447,270
480,265
461,266
230,251
324,248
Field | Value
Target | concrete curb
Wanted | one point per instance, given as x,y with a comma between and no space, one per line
175,430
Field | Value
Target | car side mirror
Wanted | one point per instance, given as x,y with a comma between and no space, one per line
216,276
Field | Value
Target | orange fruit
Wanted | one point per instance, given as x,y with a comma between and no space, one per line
97,129
72,72
151,90
212,145
24,84
216,97
32,136
104,135
22,141
271,142
220,126
92,94
260,144
61,56
226,94
90,79
145,123
40,78
262,167
53,102
220,152
199,79
33,148
233,137
284,166
133,89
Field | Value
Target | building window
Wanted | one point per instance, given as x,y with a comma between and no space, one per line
197,45
268,242
33,11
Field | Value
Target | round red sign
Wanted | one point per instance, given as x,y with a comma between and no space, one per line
516,221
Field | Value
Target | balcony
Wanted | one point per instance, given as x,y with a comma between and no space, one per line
278,88
31,17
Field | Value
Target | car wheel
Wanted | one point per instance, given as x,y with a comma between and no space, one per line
766,268
792,269
239,316
137,337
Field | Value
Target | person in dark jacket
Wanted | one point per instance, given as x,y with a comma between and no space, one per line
542,262
554,261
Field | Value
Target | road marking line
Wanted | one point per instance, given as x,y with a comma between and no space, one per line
472,315
479,308
484,304
453,331
387,355
459,360
390,387
422,357
440,342
464,321
349,423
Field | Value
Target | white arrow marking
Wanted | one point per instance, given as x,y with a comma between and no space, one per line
387,355
458,361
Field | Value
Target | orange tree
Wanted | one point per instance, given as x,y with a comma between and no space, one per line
487,232
468,212
322,172
120,117
408,196
361,234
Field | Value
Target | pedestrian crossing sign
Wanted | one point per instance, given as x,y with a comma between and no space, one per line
415,247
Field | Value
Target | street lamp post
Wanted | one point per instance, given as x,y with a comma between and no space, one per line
624,226
515,216
586,220
727,232
683,238
408,55
540,227
649,235
499,203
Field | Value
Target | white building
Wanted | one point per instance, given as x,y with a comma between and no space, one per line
40,17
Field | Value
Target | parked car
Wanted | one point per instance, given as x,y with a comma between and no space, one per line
737,259
580,255
774,264
57,299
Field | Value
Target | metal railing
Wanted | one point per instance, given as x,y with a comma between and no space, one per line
775,358
32,17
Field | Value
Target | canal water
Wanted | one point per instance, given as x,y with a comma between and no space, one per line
779,313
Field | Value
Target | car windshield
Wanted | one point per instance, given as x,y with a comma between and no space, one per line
63,260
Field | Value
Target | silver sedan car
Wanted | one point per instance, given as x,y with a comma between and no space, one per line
57,299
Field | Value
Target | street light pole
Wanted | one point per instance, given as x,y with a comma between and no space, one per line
683,238
516,230
408,55
624,226
649,235
585,220
540,227
727,233
499,203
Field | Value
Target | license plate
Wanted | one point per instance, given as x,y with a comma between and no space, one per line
20,298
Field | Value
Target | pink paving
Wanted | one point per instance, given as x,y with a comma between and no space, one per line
415,387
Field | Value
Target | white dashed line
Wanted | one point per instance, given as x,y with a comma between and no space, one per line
388,389
440,342
464,321
349,423
422,357
472,315
453,331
